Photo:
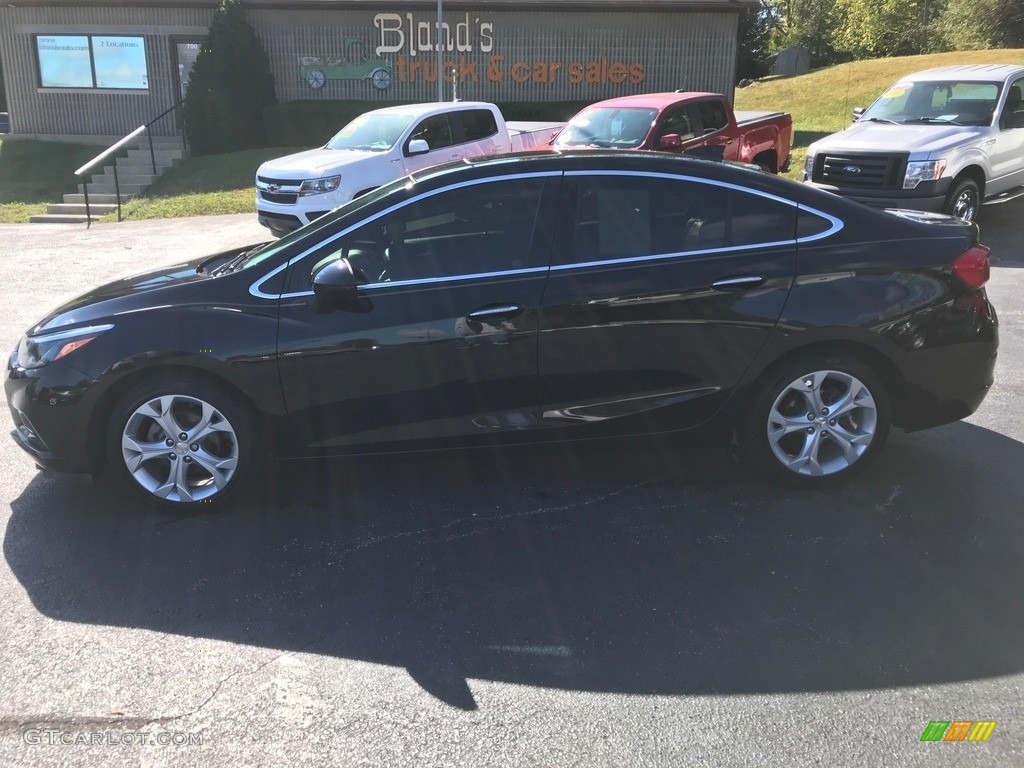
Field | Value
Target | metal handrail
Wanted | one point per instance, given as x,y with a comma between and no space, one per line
113,149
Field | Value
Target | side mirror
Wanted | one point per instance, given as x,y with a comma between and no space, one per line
336,282
858,112
670,141
417,147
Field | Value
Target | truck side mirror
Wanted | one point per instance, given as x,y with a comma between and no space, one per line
858,112
670,141
417,147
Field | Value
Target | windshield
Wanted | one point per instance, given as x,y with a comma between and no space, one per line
607,127
958,102
256,257
375,132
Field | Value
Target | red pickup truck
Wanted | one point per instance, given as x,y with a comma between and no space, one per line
697,123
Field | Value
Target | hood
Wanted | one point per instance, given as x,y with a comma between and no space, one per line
135,294
882,137
313,163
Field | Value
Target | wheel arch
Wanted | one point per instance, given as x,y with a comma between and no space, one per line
105,405
976,174
877,361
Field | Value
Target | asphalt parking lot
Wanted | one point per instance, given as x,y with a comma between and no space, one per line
608,605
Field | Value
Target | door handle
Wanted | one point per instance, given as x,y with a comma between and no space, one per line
495,312
738,282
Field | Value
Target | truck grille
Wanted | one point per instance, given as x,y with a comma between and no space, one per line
861,171
283,191
279,197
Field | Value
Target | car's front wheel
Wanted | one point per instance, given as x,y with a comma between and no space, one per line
817,421
180,443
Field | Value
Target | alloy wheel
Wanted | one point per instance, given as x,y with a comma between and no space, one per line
180,448
822,423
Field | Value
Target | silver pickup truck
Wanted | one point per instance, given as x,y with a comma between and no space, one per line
943,140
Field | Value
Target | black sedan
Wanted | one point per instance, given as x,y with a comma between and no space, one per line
525,298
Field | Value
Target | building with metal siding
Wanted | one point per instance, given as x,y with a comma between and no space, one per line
322,49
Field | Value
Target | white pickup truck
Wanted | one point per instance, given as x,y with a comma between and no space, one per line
943,140
381,146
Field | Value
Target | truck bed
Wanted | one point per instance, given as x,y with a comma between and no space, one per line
527,134
747,117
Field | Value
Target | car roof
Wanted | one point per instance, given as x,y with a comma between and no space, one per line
653,100
430,108
968,72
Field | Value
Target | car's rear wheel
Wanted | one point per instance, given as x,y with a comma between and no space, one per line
817,421
180,443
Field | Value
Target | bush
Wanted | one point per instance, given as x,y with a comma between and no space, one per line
312,123
229,87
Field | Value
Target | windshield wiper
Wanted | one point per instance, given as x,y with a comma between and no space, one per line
233,264
877,120
926,120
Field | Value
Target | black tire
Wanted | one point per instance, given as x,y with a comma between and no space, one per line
229,447
963,200
782,459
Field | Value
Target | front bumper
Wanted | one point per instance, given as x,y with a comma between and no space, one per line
282,218
51,408
929,196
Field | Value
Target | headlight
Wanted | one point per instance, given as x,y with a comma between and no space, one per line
808,166
929,170
37,351
319,186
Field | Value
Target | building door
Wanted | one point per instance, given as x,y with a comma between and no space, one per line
185,54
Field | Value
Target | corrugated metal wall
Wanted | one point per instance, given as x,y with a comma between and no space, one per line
510,57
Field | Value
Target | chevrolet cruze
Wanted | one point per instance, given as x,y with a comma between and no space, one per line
555,296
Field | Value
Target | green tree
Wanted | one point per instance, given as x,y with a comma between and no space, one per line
870,28
757,26
229,86
812,24
977,24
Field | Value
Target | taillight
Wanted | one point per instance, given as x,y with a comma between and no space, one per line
971,266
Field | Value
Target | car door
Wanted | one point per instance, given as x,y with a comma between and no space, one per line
714,119
661,292
1007,153
436,130
677,121
442,341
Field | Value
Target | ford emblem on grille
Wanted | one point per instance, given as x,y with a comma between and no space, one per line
851,170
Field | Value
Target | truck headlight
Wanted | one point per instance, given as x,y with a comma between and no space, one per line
929,170
319,186
808,167
37,351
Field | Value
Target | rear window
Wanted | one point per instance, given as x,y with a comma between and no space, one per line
478,124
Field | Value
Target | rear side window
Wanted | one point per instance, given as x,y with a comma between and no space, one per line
712,115
478,124
633,216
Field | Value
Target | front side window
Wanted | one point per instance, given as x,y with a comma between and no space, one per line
629,217
436,131
92,61
677,121
472,230
1013,110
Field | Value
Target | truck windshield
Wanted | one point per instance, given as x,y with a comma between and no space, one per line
939,103
377,133
607,127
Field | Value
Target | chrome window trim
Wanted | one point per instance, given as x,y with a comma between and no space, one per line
254,289
835,225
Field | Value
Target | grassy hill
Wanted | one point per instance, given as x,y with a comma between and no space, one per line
821,101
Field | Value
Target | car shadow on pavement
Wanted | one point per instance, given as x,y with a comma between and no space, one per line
644,570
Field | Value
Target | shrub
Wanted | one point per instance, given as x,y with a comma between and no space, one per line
230,85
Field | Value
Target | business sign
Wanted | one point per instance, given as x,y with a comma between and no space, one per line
92,61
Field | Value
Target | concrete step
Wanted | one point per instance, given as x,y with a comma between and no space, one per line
129,171
104,188
96,199
74,208
144,179
61,218
160,153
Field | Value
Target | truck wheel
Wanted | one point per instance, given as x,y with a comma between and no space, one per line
963,200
